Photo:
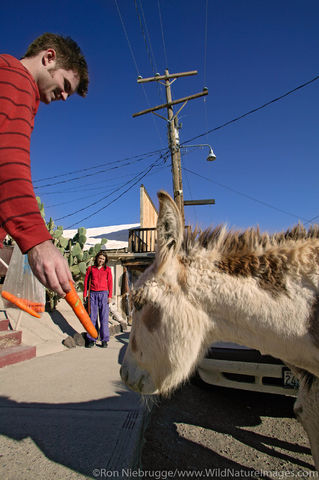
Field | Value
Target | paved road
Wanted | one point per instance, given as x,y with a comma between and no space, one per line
235,434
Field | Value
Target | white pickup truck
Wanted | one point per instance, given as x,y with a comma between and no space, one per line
234,366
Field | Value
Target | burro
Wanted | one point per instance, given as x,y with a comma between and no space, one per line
251,288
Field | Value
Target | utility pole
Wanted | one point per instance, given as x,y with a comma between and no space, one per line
172,120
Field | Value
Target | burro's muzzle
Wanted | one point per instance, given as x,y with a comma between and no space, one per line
135,378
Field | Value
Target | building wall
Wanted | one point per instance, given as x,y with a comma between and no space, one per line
148,212
117,272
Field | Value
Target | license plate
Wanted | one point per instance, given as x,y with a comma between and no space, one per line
289,379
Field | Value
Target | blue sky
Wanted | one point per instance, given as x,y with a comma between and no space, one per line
251,52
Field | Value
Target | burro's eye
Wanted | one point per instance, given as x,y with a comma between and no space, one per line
138,299
138,306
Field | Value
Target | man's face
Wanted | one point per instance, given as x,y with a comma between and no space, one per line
57,84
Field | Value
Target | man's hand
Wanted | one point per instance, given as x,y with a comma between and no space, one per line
50,267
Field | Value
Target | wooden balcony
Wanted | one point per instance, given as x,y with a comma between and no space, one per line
142,240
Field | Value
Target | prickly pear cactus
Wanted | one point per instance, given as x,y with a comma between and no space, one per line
72,249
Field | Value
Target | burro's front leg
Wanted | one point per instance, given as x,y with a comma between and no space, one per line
306,410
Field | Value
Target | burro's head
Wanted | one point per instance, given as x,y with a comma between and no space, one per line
166,340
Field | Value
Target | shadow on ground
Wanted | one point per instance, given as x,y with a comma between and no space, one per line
80,436
59,320
184,433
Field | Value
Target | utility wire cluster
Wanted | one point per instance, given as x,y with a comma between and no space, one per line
163,154
261,202
130,184
254,110
116,167
117,190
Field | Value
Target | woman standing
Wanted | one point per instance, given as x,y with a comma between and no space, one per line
99,277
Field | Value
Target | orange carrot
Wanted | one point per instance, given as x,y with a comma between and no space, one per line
74,301
19,303
36,306
33,305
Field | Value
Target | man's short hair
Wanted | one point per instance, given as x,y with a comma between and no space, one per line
69,56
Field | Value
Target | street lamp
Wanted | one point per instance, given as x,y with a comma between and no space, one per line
211,156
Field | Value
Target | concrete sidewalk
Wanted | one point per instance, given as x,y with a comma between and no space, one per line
67,415
48,332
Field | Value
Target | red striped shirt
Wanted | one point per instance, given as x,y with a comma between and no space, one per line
19,102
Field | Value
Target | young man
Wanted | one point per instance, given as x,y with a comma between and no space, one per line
53,68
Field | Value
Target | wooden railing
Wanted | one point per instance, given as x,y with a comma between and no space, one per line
142,240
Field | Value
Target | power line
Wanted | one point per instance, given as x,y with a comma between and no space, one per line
149,50
148,44
205,66
135,63
311,220
137,157
246,196
205,45
127,37
186,141
102,198
162,30
76,178
81,177
115,199
254,110
71,201
118,185
108,195
85,186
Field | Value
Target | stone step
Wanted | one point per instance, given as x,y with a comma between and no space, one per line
16,354
4,324
10,339
3,315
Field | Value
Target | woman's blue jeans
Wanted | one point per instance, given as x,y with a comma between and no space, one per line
100,307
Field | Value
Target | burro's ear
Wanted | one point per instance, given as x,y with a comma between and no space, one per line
169,229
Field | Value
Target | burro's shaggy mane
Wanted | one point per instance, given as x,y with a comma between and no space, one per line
255,289
260,255
231,243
